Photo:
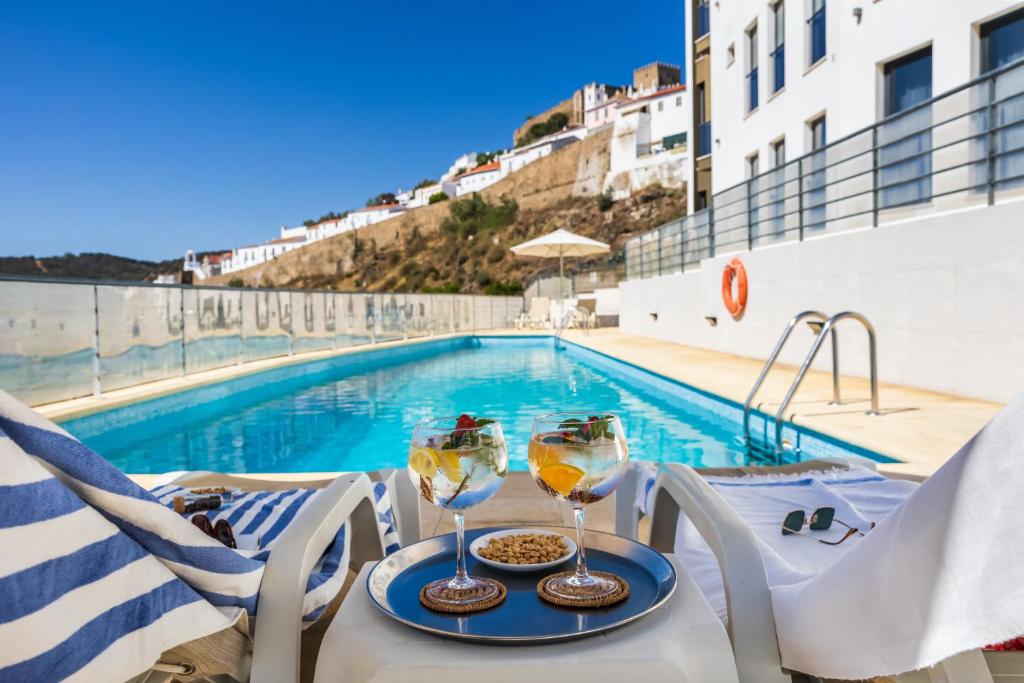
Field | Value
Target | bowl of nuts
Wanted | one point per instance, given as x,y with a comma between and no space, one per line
522,550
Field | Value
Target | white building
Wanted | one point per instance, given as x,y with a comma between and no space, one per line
421,196
460,166
360,218
517,158
787,77
599,103
648,143
478,178
246,257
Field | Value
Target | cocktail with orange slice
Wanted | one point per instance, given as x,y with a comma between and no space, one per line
579,458
458,462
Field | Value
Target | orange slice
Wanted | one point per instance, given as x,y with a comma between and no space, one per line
561,477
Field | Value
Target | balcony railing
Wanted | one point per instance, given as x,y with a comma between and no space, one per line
703,21
960,149
65,339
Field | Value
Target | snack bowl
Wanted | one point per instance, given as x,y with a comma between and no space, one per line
481,542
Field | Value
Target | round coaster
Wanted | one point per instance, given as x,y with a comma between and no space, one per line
455,608
604,601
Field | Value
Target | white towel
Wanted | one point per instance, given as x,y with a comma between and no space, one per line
942,574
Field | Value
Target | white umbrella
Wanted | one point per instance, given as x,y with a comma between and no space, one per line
561,243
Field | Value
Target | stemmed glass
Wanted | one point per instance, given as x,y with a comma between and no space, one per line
457,463
579,459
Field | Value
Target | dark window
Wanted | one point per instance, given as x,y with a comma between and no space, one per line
779,153
703,19
816,196
908,81
753,164
905,139
701,200
752,68
1002,41
778,55
817,133
816,30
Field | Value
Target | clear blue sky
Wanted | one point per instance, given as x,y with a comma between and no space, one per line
145,128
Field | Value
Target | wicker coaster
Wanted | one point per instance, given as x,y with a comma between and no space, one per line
455,608
604,601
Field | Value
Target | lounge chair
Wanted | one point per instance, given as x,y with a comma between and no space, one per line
538,314
100,580
914,598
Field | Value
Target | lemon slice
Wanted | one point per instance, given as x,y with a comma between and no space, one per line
561,477
423,462
448,462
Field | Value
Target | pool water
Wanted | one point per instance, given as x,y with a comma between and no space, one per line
356,412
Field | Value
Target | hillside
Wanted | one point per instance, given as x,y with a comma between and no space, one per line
463,244
97,266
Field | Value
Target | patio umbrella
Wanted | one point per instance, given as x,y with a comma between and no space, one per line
561,243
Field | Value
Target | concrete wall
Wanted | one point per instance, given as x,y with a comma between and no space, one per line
945,293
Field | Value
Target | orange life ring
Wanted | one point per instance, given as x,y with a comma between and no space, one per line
734,269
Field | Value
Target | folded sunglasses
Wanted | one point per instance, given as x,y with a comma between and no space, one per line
220,531
821,520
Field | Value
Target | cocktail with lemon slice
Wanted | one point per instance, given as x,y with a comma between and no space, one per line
579,459
457,463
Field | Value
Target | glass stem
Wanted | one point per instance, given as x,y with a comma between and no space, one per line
581,554
460,551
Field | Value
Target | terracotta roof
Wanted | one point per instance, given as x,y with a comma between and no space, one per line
287,240
662,92
493,166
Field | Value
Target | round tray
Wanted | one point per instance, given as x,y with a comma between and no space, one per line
394,586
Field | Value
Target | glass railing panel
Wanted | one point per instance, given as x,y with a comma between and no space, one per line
213,328
266,323
46,341
310,314
140,335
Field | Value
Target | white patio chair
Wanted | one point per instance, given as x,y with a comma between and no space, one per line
914,598
190,597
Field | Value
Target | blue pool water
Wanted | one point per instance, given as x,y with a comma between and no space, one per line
356,412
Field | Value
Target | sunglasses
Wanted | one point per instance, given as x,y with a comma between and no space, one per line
821,520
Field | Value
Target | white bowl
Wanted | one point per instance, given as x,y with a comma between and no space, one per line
476,546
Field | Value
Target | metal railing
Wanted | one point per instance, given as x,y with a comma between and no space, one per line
62,339
960,149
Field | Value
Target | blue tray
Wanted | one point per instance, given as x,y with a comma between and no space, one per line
394,587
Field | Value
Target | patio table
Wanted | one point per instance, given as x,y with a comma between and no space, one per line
682,641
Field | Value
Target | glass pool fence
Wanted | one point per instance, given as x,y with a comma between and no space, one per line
67,339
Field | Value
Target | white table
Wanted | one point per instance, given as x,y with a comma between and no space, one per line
682,641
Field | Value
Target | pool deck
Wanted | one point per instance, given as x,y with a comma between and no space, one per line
919,428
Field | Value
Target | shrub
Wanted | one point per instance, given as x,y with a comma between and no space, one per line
475,214
446,288
499,288
437,197
553,124
236,282
424,183
382,198
605,201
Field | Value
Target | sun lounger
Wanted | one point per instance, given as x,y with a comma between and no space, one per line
538,314
106,577
936,579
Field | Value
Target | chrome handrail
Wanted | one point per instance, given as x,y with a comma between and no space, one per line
774,355
825,330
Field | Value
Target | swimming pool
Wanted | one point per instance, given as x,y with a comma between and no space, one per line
356,411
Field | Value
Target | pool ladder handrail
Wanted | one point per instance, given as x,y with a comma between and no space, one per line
826,329
793,322
568,317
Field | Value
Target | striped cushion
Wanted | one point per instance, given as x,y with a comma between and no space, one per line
224,577
79,598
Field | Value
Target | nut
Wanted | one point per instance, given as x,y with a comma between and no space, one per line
525,549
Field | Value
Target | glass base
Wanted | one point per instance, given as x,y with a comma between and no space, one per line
453,591
588,587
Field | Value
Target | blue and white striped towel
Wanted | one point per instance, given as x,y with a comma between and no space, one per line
79,598
225,578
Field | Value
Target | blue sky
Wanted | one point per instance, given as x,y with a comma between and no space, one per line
145,128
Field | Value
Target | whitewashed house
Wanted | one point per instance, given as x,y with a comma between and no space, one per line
517,158
460,166
360,218
648,143
246,257
479,178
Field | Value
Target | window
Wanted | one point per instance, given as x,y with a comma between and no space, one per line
661,106
817,133
1002,41
905,140
816,31
703,19
752,165
701,200
730,54
704,126
778,55
752,68
779,153
816,197
679,100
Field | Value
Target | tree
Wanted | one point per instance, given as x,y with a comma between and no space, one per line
437,197
382,198
553,124
424,183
